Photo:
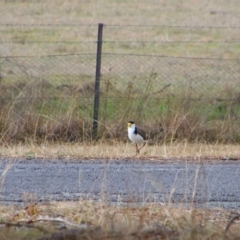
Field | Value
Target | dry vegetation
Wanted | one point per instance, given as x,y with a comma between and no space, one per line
40,111
189,107
118,150
50,99
173,98
89,220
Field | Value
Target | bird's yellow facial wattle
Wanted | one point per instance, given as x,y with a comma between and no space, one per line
129,124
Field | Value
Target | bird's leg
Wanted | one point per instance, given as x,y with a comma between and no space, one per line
137,150
141,147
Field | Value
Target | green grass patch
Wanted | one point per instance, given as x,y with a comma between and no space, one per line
170,112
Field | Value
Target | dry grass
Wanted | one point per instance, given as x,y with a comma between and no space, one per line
118,150
174,99
165,13
89,220
40,111
121,12
98,221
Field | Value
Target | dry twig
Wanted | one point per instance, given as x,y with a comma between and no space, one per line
231,221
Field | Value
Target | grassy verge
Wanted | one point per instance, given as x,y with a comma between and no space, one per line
118,150
39,110
89,220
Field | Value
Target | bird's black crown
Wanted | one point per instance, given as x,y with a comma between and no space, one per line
132,122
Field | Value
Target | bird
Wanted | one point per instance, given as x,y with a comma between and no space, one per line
137,135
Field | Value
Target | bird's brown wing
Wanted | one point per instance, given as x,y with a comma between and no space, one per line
141,132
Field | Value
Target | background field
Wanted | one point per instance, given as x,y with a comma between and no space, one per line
171,67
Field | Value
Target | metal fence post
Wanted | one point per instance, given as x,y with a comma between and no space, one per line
97,81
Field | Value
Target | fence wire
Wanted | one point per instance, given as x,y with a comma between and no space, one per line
148,88
205,78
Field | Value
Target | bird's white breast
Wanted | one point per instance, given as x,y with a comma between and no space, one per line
136,138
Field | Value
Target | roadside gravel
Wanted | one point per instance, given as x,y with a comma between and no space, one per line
208,183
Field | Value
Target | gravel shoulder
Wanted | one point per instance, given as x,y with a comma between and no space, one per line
202,183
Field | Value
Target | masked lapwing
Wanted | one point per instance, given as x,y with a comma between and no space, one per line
137,135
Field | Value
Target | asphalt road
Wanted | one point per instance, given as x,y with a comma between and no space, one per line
206,184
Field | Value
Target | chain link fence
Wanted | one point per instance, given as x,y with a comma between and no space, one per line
50,96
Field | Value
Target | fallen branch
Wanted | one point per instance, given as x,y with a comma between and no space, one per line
27,225
231,221
59,220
